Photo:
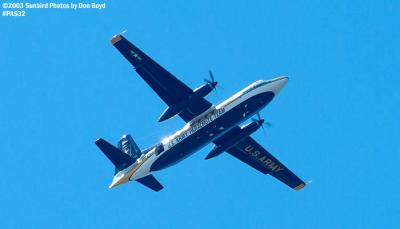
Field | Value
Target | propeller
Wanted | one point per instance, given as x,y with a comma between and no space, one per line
211,75
261,122
211,82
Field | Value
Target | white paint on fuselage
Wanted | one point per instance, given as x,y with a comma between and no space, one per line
137,170
258,87
252,90
144,169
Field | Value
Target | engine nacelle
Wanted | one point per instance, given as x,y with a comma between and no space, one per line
198,93
245,131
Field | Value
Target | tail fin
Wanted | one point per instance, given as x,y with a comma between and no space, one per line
150,182
128,146
115,155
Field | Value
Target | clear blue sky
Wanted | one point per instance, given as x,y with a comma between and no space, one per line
62,85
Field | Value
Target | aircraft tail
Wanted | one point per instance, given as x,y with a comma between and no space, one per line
151,182
120,159
124,155
129,146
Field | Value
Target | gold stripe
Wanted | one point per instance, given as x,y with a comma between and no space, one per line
115,39
128,175
300,186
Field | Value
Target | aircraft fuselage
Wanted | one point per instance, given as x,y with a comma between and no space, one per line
207,127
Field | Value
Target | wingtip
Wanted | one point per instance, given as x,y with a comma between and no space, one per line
116,38
300,186
98,141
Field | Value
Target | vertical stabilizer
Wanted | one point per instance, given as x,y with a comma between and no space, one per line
127,145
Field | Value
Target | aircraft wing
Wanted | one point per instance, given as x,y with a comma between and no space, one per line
168,87
253,154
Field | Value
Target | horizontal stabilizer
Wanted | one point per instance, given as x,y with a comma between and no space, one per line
150,182
115,155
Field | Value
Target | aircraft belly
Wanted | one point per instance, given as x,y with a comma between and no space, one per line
211,131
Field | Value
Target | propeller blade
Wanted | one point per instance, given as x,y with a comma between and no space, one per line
211,75
259,116
212,82
259,119
263,129
207,81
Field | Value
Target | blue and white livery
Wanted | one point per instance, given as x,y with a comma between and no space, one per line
205,123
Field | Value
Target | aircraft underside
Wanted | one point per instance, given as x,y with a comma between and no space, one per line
212,131
205,123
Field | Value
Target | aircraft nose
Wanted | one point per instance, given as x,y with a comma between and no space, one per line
278,84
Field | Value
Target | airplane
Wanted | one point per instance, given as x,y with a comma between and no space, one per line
205,123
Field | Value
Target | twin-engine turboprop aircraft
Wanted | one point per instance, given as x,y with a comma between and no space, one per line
205,123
